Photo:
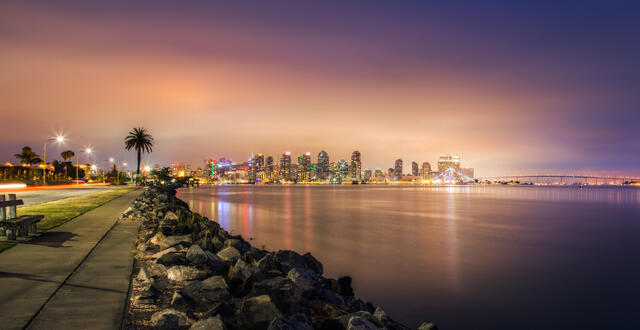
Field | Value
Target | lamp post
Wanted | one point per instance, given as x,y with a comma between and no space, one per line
116,167
58,139
87,151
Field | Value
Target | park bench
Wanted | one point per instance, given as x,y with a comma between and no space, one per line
12,226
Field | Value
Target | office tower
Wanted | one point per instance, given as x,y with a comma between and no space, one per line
397,170
447,161
304,167
426,170
367,175
343,168
268,169
323,165
356,166
285,166
414,169
252,169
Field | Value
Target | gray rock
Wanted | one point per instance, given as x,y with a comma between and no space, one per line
218,266
381,315
207,291
212,323
230,254
242,271
313,263
257,312
165,242
345,319
151,271
196,255
163,252
185,273
303,280
295,322
169,319
173,258
360,323
170,216
177,299
427,326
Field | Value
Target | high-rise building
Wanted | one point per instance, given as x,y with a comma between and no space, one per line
356,166
414,169
323,165
285,166
260,162
379,175
367,175
304,168
397,170
343,167
268,169
253,169
426,170
448,161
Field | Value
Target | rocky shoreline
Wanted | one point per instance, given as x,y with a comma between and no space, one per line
191,274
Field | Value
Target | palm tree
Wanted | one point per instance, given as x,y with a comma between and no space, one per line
66,155
28,157
140,140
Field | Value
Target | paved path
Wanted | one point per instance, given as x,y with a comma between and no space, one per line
31,197
74,276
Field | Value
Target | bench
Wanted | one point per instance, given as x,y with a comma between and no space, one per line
12,226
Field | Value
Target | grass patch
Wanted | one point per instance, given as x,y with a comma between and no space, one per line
6,245
60,211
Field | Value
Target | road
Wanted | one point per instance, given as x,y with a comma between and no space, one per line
31,197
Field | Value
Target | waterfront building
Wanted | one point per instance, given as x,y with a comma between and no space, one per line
448,161
343,168
285,166
467,171
323,165
378,174
268,169
397,170
356,166
304,168
426,170
414,169
367,175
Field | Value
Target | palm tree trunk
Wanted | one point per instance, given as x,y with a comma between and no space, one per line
138,170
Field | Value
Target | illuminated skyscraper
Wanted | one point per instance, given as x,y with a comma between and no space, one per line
268,169
343,167
447,161
356,166
285,166
426,170
323,165
367,175
397,170
414,169
304,167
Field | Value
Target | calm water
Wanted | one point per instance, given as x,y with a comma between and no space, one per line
499,257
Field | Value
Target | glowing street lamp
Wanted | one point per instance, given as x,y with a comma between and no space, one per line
58,139
87,151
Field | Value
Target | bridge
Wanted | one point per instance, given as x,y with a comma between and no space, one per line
563,179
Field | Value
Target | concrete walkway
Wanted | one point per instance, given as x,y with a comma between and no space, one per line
74,276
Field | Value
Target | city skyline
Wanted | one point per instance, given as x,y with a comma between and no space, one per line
411,81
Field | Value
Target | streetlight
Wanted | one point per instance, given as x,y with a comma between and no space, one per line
58,139
87,151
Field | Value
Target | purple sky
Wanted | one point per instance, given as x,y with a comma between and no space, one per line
512,88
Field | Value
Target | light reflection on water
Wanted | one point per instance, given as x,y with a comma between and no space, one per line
461,256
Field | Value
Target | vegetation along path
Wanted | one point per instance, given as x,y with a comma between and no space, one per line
86,261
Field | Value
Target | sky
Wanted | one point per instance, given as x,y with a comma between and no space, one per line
513,88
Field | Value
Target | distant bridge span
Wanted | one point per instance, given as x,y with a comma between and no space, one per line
562,178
